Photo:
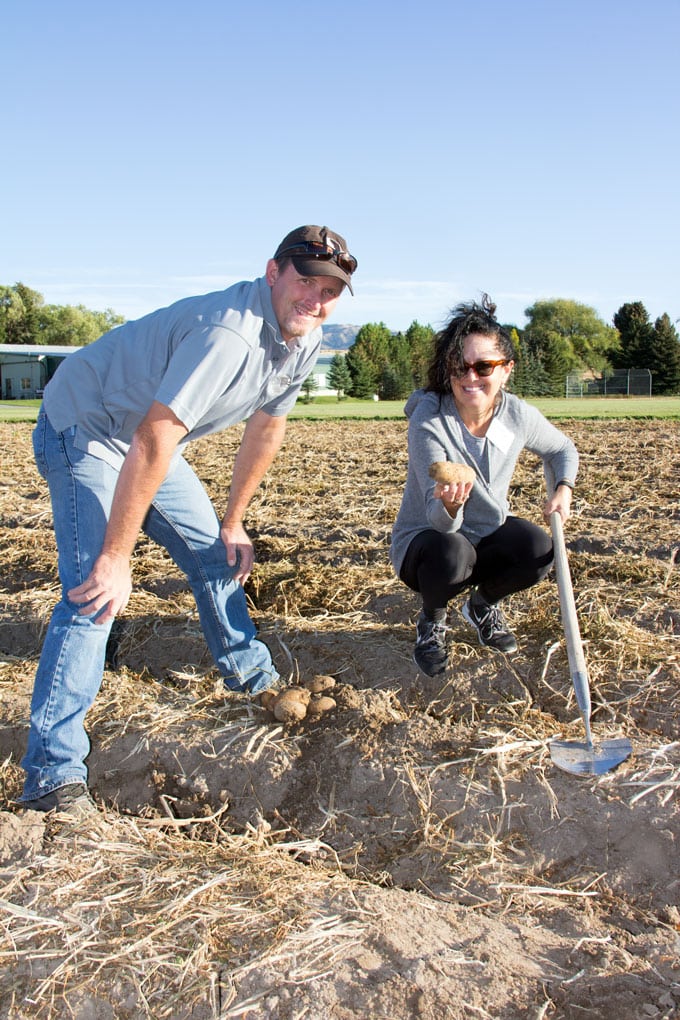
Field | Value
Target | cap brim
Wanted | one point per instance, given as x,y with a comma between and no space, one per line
321,267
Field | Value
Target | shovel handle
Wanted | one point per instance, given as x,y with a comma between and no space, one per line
577,660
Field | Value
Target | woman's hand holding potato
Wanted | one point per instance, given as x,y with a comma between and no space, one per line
453,484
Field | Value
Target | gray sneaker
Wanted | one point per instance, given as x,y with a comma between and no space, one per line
489,621
73,799
430,653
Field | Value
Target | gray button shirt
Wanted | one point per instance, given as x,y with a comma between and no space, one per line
214,360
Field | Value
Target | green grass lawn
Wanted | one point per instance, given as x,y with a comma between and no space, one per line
320,408
19,410
324,408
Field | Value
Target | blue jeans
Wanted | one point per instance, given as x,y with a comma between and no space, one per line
182,520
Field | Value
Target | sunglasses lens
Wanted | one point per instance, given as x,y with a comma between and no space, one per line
481,368
346,262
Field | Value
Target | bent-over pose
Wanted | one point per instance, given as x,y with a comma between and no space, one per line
108,440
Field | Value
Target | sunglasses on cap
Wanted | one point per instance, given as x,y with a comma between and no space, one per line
481,368
330,251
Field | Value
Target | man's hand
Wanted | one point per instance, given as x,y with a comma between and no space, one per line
106,590
108,586
240,553
261,441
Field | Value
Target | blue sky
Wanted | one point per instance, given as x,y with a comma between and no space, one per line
154,150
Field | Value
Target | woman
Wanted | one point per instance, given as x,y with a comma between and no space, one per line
451,537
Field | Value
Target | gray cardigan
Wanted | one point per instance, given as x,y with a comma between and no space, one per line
436,433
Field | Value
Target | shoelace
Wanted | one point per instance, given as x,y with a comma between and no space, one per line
493,622
435,635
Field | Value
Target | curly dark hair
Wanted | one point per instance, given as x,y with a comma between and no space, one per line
469,317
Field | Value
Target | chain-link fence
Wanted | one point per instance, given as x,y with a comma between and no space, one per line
626,382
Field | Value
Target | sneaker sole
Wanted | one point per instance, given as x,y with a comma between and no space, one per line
442,668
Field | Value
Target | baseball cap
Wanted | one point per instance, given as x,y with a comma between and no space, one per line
318,251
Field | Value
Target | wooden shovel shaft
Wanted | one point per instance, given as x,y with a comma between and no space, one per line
577,661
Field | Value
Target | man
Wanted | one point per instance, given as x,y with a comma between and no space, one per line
108,441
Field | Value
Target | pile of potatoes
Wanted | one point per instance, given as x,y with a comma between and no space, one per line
308,700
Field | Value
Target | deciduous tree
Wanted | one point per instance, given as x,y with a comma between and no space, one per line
566,335
74,324
26,319
19,311
420,340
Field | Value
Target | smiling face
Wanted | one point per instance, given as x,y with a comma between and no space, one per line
301,303
476,395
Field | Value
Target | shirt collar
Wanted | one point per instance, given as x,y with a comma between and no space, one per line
268,315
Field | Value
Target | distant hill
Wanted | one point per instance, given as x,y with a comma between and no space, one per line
338,338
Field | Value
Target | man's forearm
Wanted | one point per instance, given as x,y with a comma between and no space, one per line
261,442
137,485
141,475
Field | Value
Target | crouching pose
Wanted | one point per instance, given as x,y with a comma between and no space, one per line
456,535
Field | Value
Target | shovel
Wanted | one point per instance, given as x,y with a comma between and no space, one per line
583,759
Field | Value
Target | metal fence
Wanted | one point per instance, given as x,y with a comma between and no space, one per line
626,382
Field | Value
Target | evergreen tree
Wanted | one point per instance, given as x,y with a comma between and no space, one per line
364,381
396,380
308,387
665,361
372,345
551,357
391,385
339,378
529,377
635,336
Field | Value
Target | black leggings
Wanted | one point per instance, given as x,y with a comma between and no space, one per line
439,566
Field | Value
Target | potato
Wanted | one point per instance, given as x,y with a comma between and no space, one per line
290,706
319,706
446,473
267,699
319,683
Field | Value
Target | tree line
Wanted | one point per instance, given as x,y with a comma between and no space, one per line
26,319
560,337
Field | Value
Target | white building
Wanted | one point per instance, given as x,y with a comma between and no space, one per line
320,373
26,369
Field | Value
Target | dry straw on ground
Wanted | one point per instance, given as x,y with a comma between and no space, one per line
414,853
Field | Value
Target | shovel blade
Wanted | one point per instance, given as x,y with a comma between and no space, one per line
589,759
